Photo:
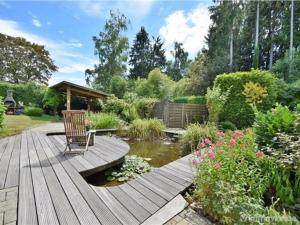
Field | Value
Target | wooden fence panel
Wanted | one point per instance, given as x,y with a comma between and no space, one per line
179,115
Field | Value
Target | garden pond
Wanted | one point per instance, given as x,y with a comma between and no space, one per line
156,153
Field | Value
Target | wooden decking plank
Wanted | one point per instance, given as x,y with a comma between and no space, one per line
3,144
106,154
63,208
12,178
26,202
161,184
187,165
84,213
174,181
175,169
5,160
112,141
44,205
102,212
140,199
109,146
148,193
115,206
178,166
174,173
137,210
165,194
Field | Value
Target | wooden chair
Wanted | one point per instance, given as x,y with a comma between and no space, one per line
76,134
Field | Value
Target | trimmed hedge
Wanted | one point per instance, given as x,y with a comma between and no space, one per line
28,94
236,110
191,99
33,111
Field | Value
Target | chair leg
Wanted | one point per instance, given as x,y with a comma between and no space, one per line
88,141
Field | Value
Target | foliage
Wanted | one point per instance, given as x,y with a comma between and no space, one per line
236,109
102,120
118,86
114,105
177,69
131,168
111,48
52,99
33,111
215,99
144,107
194,133
22,61
140,55
236,185
191,99
158,85
287,69
254,93
24,94
129,114
146,129
2,112
183,87
290,95
267,125
227,125
158,58
16,124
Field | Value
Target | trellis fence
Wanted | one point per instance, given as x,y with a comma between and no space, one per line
179,115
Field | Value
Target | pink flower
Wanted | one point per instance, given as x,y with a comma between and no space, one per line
201,145
211,155
197,153
260,154
202,157
207,141
217,166
237,134
220,133
212,147
194,162
232,141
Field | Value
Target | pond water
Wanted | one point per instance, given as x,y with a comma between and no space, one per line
157,153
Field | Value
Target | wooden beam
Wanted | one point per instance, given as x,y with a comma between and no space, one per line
68,98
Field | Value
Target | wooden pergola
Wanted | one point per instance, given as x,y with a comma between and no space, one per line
78,90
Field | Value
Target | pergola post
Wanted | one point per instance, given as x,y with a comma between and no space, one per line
68,98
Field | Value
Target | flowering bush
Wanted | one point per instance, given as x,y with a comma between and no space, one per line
236,184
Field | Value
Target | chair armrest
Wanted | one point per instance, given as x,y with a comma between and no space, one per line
91,131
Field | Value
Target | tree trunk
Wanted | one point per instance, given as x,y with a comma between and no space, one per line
256,48
231,51
272,37
291,37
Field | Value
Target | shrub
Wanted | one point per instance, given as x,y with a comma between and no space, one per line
191,99
2,112
235,184
52,99
290,95
114,105
129,114
267,125
236,109
103,120
118,86
227,125
215,102
195,133
146,129
144,107
33,111
28,93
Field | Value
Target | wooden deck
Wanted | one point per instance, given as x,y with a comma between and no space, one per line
50,188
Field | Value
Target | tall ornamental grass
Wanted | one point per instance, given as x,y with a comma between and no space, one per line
146,129
102,120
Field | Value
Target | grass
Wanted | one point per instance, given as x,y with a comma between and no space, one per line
16,124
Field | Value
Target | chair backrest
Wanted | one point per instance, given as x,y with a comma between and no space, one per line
74,122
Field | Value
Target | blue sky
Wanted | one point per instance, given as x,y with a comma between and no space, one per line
66,27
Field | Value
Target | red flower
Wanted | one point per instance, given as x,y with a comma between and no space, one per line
211,155
198,153
237,134
207,141
201,145
260,154
220,133
232,141
194,162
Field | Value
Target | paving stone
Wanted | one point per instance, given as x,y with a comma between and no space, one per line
2,196
1,218
10,216
11,195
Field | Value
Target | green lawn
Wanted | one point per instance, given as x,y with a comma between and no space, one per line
16,124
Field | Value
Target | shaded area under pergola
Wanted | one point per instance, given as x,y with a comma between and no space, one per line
78,90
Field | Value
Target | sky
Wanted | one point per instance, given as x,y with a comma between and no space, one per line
66,28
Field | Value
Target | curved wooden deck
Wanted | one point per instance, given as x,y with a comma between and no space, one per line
39,185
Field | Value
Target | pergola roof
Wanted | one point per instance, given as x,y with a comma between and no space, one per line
79,90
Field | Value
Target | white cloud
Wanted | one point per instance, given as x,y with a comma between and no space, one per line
74,43
36,23
90,7
71,64
189,28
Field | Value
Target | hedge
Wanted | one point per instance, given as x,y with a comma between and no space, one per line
26,93
236,110
191,99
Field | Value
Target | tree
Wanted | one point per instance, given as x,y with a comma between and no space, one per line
158,58
111,48
140,55
118,86
22,61
256,47
177,69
